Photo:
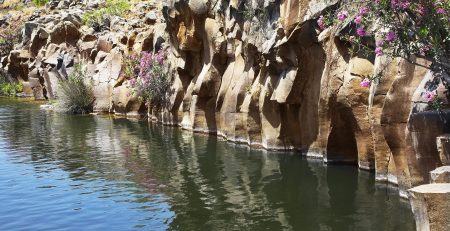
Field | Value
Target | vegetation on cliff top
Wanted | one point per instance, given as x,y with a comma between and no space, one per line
100,17
400,28
40,2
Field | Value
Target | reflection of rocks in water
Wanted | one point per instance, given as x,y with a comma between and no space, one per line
208,183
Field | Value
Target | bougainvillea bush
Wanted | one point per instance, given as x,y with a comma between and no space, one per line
395,28
147,77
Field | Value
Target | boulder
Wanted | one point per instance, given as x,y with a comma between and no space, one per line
64,32
199,7
443,146
124,103
38,41
440,175
27,31
430,204
151,17
105,72
423,156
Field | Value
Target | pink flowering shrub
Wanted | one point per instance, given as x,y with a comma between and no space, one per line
342,15
406,28
429,96
147,77
365,83
395,28
433,101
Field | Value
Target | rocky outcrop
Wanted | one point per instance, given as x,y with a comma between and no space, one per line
443,146
291,87
431,204
56,40
440,175
253,72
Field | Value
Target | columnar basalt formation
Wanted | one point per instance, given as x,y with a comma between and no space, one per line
291,87
255,72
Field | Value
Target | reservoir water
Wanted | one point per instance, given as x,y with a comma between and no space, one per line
65,172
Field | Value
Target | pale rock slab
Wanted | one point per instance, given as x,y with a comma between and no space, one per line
431,206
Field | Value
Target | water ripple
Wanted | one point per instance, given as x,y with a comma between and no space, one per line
60,172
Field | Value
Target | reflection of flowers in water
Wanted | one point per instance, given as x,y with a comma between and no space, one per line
141,173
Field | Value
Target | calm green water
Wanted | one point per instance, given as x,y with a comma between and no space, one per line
60,172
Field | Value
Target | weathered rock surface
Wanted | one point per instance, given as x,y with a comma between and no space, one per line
443,146
440,175
431,205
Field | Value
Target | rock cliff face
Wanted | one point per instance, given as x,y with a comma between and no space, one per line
255,72
276,82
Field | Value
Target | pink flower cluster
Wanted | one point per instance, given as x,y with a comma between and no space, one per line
416,40
142,73
424,49
365,83
400,4
441,11
321,22
379,50
429,96
363,11
390,36
342,15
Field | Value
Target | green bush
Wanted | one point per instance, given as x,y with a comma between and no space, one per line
98,17
7,88
75,94
39,2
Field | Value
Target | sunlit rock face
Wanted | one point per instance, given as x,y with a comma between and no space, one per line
440,175
431,205
257,72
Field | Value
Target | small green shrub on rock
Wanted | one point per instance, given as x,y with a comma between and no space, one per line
75,94
7,88
10,89
40,3
99,17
